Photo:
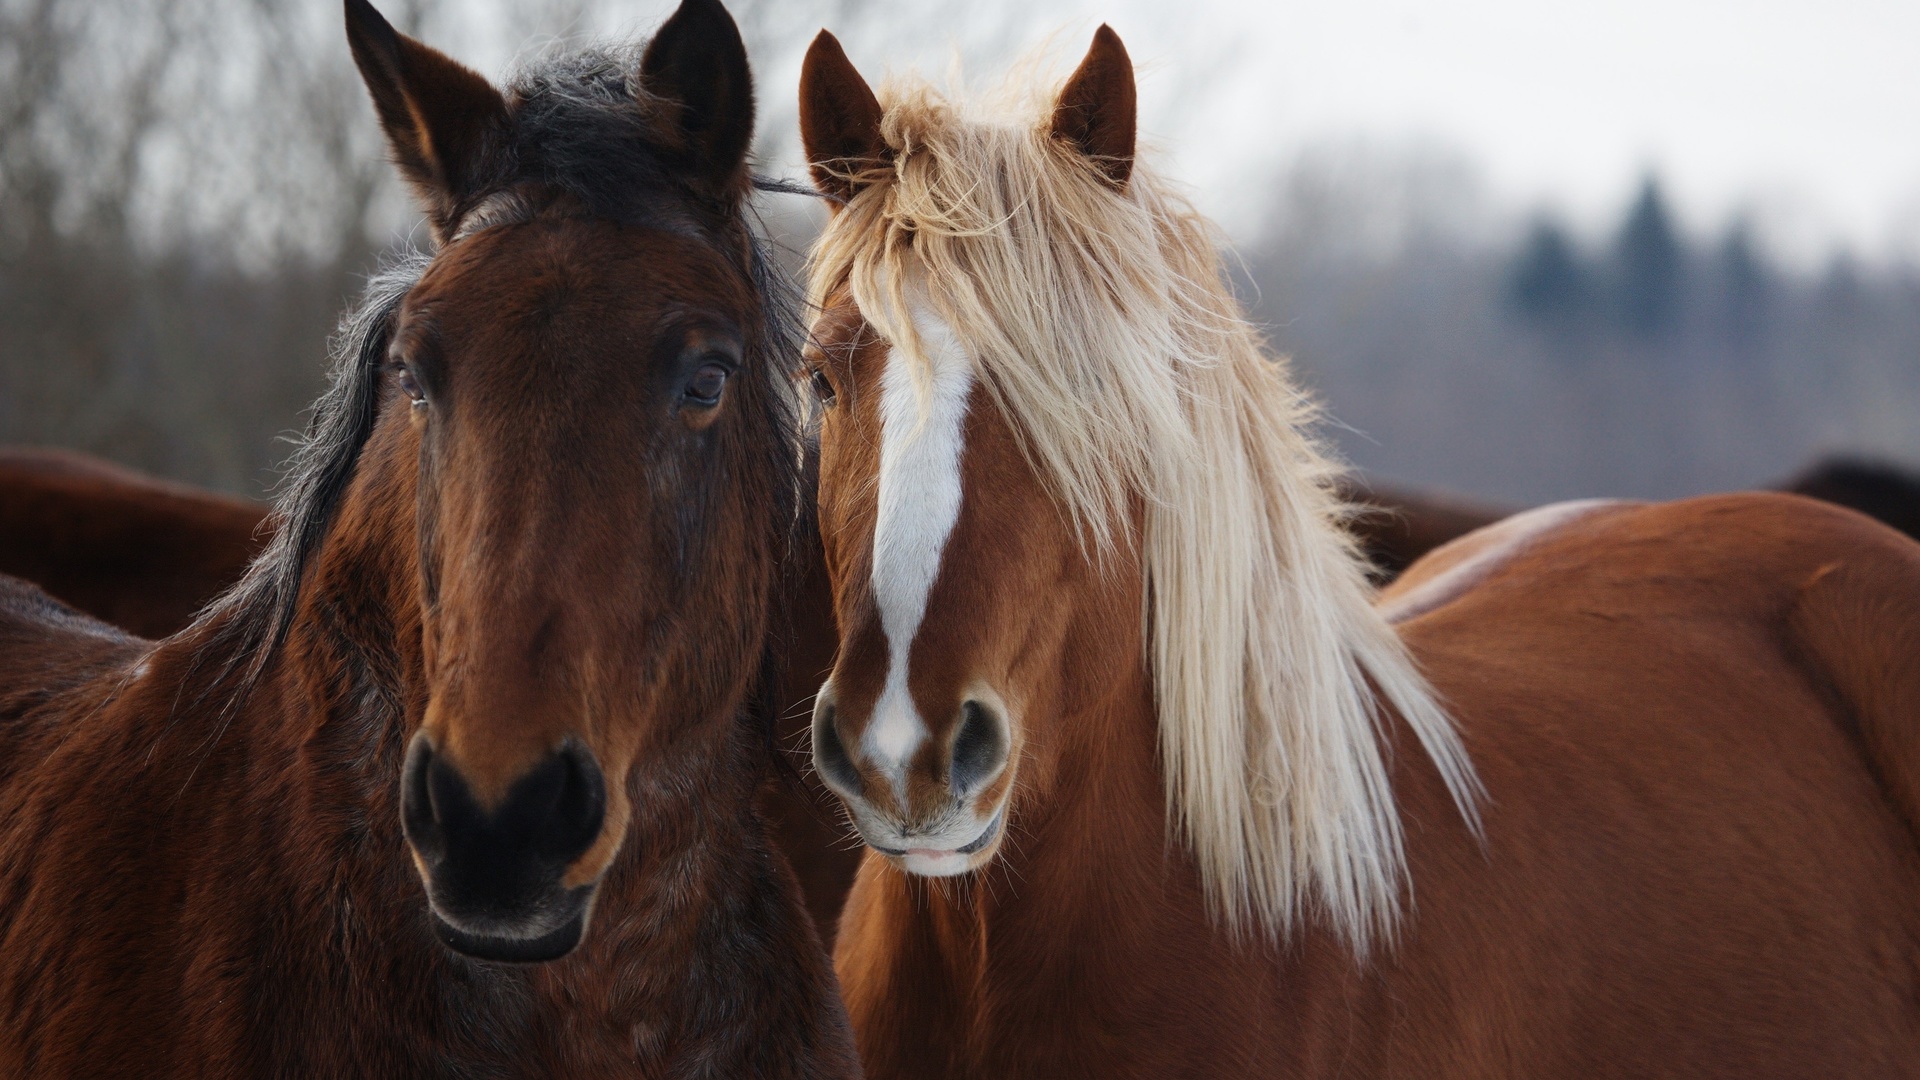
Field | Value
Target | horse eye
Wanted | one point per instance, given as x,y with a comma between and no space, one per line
822,388
707,383
410,386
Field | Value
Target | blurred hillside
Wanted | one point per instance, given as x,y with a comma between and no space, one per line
191,190
1517,360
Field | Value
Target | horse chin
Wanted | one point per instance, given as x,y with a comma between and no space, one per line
519,950
946,864
965,859
547,930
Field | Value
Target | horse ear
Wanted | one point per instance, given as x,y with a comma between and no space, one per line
441,118
839,120
698,61
1096,111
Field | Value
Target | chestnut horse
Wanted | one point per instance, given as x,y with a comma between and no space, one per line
1154,789
487,696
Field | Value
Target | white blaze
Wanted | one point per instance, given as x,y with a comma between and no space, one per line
919,503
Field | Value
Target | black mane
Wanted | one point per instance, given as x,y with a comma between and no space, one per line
582,129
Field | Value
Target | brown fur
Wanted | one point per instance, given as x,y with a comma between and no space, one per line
145,555
1096,112
202,866
805,819
135,551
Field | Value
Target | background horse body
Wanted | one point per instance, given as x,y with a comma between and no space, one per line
1674,835
486,697
135,551
1396,526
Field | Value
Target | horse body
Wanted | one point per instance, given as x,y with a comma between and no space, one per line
1710,876
1155,788
488,696
140,553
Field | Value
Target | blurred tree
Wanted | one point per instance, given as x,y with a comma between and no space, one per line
1649,264
1547,281
1842,293
1436,373
1744,282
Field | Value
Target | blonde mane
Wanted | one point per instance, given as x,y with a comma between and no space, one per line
1102,325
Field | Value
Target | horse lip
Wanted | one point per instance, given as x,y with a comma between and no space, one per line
549,946
987,834
973,846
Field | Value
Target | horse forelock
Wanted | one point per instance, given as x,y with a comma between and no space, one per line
1102,326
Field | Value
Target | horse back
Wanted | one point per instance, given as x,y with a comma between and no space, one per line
48,651
132,549
1698,724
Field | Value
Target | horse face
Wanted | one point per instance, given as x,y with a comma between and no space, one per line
969,610
572,391
582,405
959,586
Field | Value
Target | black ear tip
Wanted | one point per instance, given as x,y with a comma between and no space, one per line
362,13
702,25
709,15
366,24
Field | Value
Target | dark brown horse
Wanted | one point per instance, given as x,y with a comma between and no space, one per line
1879,489
1154,787
487,696
138,552
1395,526
147,555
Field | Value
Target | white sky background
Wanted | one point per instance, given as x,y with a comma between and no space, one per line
1804,114
1801,114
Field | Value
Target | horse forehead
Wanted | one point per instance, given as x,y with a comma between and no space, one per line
624,271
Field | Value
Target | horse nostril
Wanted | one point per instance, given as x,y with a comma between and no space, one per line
979,748
549,817
581,805
830,754
418,819
554,811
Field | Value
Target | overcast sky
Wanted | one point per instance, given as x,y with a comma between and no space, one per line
1806,112
1805,109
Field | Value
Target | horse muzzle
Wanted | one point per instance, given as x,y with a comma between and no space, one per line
496,876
